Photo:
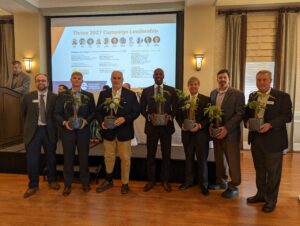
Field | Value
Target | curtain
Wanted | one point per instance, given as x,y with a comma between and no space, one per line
286,60
7,50
235,49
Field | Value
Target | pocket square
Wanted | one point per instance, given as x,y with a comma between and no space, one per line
36,101
270,102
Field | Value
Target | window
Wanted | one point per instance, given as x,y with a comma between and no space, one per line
261,34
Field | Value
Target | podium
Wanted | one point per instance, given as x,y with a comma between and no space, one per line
11,125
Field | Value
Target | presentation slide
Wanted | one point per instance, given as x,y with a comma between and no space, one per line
135,45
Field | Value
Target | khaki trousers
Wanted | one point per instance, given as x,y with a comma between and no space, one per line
110,150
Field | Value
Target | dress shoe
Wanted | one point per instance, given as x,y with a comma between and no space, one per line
255,199
217,186
124,189
104,186
86,187
167,187
230,193
184,186
54,185
204,190
149,186
29,192
268,207
67,191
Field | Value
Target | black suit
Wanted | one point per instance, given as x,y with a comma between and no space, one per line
129,109
36,136
196,142
75,138
267,147
156,133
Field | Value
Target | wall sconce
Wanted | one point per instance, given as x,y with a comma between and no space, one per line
199,59
28,64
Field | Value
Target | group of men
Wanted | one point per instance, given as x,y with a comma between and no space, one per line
42,111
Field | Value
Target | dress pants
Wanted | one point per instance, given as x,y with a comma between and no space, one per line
268,168
231,150
70,141
33,153
194,143
124,149
159,133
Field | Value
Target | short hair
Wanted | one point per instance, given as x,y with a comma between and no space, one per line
43,75
129,86
264,72
16,62
223,71
118,72
64,86
105,87
76,73
158,69
193,79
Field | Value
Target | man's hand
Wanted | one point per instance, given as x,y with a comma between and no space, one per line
103,125
196,127
182,127
67,125
223,132
119,121
84,123
265,128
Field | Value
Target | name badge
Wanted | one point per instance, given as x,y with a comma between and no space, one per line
35,101
270,102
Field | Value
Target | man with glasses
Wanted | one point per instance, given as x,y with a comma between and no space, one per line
39,131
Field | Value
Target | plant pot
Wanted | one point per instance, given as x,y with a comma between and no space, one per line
255,124
189,124
159,120
109,122
215,131
75,123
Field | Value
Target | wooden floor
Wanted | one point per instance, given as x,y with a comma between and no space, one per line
155,207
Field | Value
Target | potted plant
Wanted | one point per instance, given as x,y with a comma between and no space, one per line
110,104
76,100
160,118
215,114
257,106
189,106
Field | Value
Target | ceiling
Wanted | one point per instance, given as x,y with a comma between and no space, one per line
21,6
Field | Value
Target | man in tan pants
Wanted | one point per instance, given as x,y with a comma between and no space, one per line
121,105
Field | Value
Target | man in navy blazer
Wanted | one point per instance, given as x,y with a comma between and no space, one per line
196,140
37,109
75,138
126,110
158,133
268,143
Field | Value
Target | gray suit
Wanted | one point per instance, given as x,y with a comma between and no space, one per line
233,107
20,83
38,136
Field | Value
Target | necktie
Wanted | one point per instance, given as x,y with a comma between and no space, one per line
42,109
158,90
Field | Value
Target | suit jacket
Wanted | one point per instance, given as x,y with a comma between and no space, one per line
148,106
278,112
22,83
30,113
233,107
64,110
202,102
129,109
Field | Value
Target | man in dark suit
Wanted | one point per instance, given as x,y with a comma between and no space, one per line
268,143
195,140
75,138
227,141
39,131
126,110
158,133
20,81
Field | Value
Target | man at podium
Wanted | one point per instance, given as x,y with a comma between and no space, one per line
20,81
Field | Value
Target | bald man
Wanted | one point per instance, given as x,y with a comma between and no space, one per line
118,138
268,143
